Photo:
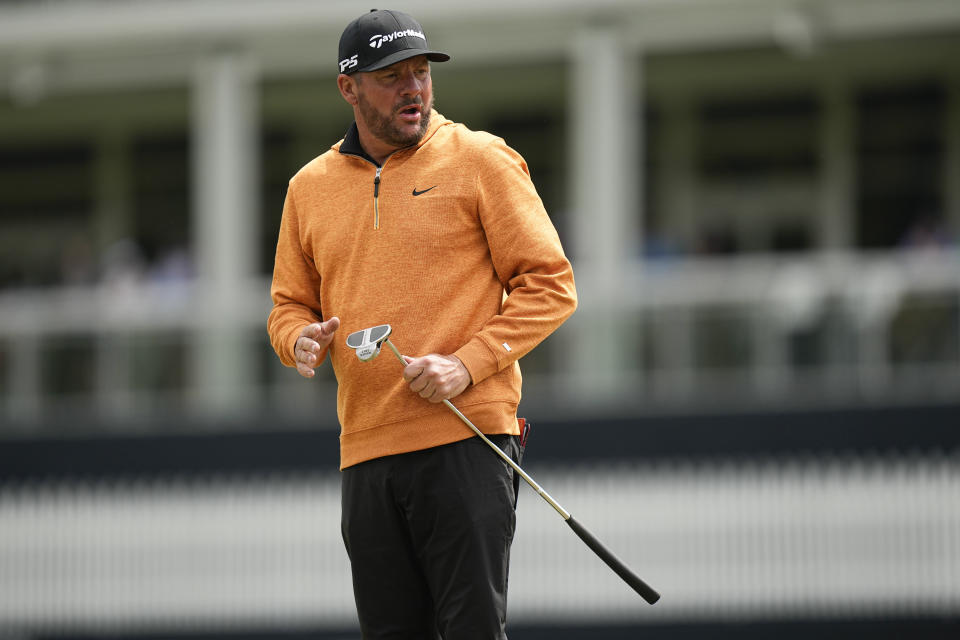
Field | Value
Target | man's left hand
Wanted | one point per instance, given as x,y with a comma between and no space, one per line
435,377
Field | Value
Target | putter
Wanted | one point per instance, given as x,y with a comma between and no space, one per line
367,343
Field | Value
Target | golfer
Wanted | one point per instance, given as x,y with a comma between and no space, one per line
418,222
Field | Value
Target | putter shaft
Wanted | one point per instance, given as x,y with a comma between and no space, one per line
612,561
523,474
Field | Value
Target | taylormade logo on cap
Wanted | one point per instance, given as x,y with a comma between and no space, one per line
377,40
381,38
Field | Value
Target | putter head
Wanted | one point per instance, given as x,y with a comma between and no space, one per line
366,342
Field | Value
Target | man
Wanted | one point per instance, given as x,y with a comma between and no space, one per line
416,221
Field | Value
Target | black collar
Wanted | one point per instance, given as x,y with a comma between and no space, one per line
351,145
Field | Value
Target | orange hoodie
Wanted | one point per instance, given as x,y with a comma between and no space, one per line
449,243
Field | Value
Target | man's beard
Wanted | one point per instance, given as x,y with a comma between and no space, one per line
383,128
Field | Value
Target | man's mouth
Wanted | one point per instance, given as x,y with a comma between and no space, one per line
411,113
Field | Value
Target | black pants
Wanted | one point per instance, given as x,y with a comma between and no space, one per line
428,534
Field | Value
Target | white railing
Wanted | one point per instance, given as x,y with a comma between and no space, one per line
723,540
804,328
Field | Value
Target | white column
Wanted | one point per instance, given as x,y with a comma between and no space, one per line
225,148
606,180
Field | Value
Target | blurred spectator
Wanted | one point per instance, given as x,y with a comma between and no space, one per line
122,264
926,232
661,248
173,266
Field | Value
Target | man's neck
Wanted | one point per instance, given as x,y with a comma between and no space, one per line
377,156
377,149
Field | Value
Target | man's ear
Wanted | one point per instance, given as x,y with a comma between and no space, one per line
348,88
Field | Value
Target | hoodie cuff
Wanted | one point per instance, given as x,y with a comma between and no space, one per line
479,360
292,351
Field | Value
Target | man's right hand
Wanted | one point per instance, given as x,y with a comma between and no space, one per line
313,340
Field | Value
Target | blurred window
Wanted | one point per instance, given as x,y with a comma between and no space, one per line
758,160
900,159
68,366
46,181
762,137
161,193
924,330
46,198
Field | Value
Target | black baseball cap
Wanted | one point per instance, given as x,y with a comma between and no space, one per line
380,38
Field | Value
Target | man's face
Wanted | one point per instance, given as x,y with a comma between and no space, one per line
395,101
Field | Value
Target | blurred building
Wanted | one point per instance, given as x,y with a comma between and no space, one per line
762,202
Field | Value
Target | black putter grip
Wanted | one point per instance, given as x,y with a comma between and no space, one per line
632,579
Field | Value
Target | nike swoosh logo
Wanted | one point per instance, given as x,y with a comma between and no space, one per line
420,193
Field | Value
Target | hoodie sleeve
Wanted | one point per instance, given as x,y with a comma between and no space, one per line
296,286
529,262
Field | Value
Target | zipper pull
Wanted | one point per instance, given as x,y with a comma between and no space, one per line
376,199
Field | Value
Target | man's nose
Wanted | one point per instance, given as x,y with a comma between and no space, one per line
411,85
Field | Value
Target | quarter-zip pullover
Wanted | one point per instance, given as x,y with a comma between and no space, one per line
456,252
